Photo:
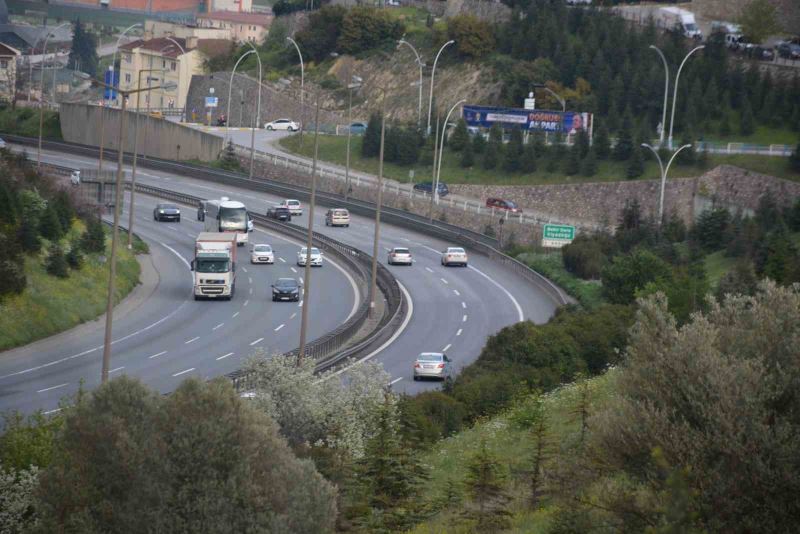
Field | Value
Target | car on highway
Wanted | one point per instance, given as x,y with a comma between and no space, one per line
294,206
2,143
433,365
358,128
282,124
500,204
400,256
427,187
166,212
316,257
789,50
279,213
286,289
454,256
337,217
75,177
262,254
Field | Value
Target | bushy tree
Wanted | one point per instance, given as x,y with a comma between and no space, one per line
83,52
56,263
741,280
17,496
364,28
628,273
602,143
488,497
759,20
93,240
74,256
371,141
50,225
459,139
474,37
320,38
584,257
513,152
12,266
132,460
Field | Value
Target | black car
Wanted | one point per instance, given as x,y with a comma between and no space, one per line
789,50
427,187
280,214
286,289
167,212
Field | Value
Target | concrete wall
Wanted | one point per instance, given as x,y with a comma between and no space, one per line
159,138
788,11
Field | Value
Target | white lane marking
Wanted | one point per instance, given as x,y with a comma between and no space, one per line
284,261
464,319
293,270
246,303
220,325
52,388
191,340
458,333
429,269
234,315
407,240
115,370
257,341
48,412
443,280
504,290
249,280
300,304
464,305
301,280
225,356
156,355
245,270
184,372
251,291
281,326
185,262
395,381
447,347
456,292
293,315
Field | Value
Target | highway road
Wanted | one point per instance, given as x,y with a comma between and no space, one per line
451,309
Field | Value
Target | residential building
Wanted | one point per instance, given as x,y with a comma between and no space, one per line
8,71
244,27
154,29
241,6
179,63
147,6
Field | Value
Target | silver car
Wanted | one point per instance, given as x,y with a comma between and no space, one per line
400,256
454,256
316,257
262,254
432,365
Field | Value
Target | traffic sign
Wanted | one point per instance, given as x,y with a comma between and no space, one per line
557,235
211,101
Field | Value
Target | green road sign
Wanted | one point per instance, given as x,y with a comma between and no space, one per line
557,235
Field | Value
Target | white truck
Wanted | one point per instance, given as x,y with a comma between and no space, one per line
214,265
675,18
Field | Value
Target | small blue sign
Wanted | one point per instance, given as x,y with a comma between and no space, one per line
211,101
112,79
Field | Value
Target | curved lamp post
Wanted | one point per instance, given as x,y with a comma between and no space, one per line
302,88
441,147
421,64
41,99
258,113
675,91
433,73
230,89
664,172
355,84
666,94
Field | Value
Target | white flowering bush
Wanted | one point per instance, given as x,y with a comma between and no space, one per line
16,499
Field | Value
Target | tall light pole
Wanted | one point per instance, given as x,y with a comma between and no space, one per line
113,76
302,88
433,73
555,95
30,68
258,114
309,241
41,98
136,144
373,287
666,94
441,149
230,89
675,91
433,174
356,83
663,177
421,64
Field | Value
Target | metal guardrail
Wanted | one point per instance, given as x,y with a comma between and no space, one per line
745,148
478,242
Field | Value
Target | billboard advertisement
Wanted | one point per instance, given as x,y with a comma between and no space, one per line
112,79
538,120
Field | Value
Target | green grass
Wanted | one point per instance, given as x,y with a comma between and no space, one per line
512,447
25,122
587,292
763,135
717,265
333,149
50,305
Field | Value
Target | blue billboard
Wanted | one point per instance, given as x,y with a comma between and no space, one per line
112,79
534,120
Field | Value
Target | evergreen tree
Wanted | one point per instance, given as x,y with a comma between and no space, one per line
28,235
794,159
49,225
478,143
63,206
688,156
602,143
635,167
371,141
793,216
83,53
74,256
725,124
230,161
406,146
8,205
494,150
582,143
56,263
529,155
624,147
93,240
589,164
573,162
778,259
747,121
485,489
12,266
460,136
513,152
467,156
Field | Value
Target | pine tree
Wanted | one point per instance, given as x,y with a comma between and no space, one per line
635,166
460,136
467,157
12,266
624,147
56,263
589,164
74,256
602,143
63,206
49,225
687,156
371,141
28,235
725,123
747,122
486,491
8,205
93,240
573,162
529,156
513,152
478,143
494,150
582,143
84,50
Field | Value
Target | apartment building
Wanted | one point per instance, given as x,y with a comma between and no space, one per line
8,71
244,27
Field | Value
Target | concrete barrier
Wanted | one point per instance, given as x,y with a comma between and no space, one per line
80,123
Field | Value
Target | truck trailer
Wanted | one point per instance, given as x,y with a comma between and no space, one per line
214,265
675,18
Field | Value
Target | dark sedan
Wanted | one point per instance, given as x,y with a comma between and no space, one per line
167,212
286,289
280,214
427,187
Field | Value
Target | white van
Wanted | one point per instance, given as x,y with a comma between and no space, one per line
337,217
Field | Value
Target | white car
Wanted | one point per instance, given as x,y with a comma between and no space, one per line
262,254
2,143
454,256
75,177
433,365
294,206
400,256
282,124
316,257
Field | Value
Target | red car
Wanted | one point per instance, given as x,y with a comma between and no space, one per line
501,204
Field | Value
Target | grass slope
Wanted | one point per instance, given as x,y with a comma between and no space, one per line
717,265
512,447
332,149
50,305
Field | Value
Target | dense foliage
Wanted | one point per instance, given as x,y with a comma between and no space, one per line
83,54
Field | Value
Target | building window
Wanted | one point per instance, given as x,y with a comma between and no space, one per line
3,63
173,65
163,63
127,77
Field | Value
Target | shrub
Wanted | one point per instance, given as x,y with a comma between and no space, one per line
74,257
628,273
432,415
323,32
584,257
93,240
473,36
365,28
56,263
50,225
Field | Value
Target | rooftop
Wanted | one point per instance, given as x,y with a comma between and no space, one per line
258,19
165,46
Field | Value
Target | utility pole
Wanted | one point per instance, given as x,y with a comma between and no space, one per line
373,288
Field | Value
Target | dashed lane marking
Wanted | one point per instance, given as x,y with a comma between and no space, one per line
191,340
458,333
447,347
115,370
234,315
183,372
52,388
257,341
281,326
157,355
220,325
225,356
464,319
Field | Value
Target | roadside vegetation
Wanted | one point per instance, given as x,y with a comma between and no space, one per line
25,121
53,258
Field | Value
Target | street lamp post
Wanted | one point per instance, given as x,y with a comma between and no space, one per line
230,89
666,94
373,287
302,88
419,62
555,95
41,98
433,73
664,172
258,114
309,241
441,148
356,83
433,173
675,91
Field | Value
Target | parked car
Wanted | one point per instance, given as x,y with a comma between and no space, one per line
316,257
282,124
262,254
337,217
454,256
400,256
286,289
499,203
294,206
75,177
166,212
789,50
433,365
358,128
427,187
759,52
2,143
280,213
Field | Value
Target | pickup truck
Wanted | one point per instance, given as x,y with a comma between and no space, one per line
280,213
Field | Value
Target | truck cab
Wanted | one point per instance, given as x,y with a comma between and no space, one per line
214,265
